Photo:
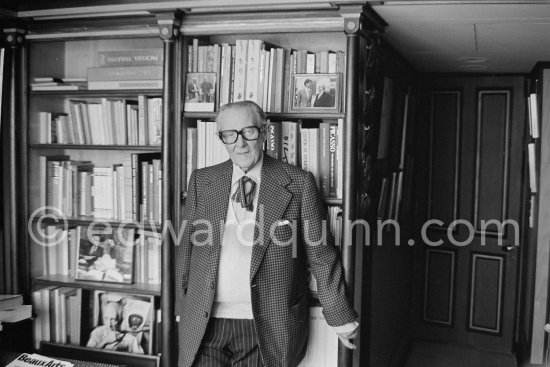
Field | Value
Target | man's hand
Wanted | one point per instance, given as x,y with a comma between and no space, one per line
346,333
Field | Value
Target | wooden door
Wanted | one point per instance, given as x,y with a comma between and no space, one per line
469,162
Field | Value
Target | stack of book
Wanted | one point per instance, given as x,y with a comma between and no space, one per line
12,309
127,69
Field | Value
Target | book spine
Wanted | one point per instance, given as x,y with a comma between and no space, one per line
252,70
132,57
125,73
240,70
125,84
332,159
324,162
135,187
274,139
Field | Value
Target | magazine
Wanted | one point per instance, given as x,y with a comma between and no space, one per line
122,322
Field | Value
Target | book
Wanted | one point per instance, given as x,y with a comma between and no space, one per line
273,141
127,73
290,148
59,87
532,157
125,84
324,159
333,170
131,57
533,116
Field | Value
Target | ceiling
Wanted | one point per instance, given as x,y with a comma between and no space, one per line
469,36
483,36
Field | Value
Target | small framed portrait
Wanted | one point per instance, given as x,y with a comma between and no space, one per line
315,93
122,322
105,255
200,92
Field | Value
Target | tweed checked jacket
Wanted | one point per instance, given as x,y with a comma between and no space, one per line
289,210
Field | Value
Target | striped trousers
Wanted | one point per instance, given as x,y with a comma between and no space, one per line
229,342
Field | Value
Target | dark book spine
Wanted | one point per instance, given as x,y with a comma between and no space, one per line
332,160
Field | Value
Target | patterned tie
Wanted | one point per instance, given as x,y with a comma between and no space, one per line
245,193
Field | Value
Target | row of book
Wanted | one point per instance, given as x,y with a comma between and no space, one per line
105,121
258,71
101,254
317,150
130,190
57,315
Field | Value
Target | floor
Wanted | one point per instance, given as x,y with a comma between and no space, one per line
427,354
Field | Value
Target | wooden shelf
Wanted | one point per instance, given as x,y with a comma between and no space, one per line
85,221
284,115
98,93
64,280
147,148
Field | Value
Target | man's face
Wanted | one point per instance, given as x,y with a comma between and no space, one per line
243,153
321,89
308,84
110,315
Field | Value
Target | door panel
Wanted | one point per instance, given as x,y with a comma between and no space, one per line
444,156
470,143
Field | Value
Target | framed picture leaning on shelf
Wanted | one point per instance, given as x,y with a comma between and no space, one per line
315,93
200,92
105,255
122,322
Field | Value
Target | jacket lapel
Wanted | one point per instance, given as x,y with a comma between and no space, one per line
272,203
217,192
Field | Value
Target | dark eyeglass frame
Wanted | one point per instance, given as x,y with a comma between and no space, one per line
240,132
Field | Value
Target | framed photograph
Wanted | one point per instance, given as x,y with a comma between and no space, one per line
200,92
315,93
122,322
105,255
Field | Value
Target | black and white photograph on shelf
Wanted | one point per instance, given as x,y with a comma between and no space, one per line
122,322
315,93
200,92
105,255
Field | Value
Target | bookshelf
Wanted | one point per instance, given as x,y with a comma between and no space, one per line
118,132
66,48
536,213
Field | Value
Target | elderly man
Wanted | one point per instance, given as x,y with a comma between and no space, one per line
252,223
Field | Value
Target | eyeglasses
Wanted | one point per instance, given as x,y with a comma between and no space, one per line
248,133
